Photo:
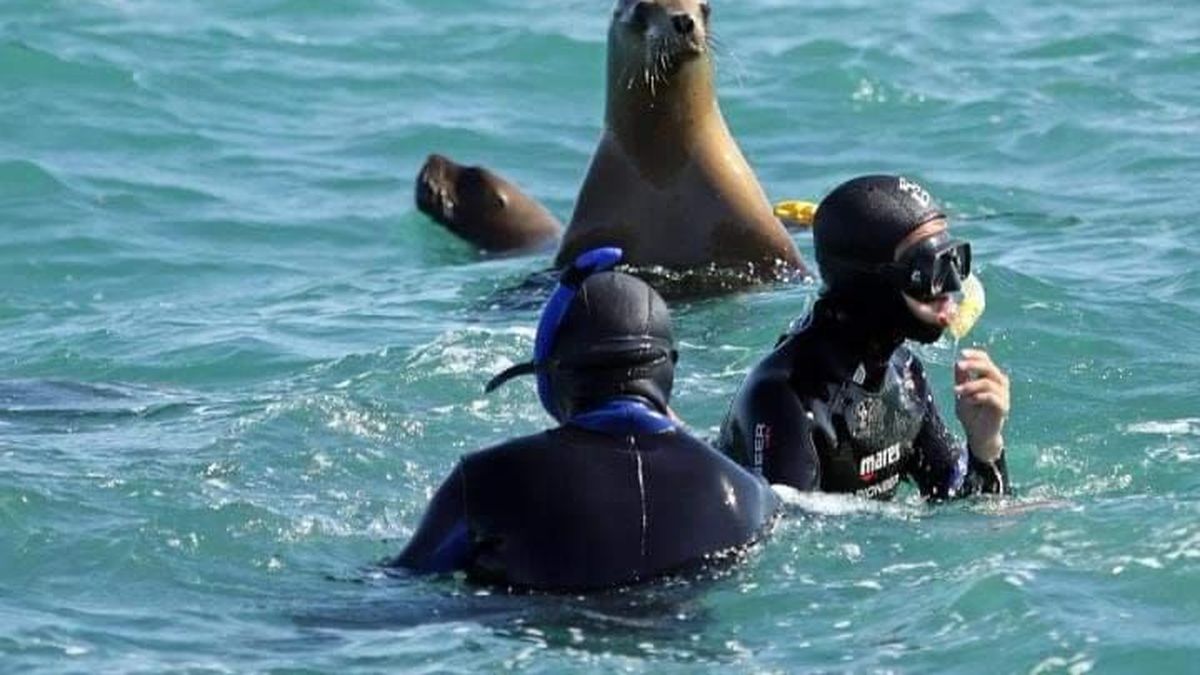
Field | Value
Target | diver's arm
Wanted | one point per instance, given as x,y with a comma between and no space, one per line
778,434
442,542
987,477
943,468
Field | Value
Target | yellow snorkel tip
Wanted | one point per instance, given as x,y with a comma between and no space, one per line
970,307
797,212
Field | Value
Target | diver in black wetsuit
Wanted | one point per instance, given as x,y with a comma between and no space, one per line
841,405
619,493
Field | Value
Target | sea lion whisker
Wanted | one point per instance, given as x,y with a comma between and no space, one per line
664,54
739,68
664,63
627,70
647,67
658,57
720,52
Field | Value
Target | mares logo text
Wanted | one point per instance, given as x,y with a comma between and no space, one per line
880,460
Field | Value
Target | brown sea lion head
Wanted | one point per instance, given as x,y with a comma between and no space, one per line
479,205
438,190
660,35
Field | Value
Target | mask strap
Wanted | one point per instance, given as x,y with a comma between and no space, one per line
894,273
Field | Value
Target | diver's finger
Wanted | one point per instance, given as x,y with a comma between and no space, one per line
978,365
972,387
988,399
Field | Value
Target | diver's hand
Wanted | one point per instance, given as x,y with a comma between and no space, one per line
982,401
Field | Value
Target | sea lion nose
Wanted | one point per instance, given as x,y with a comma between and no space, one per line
683,23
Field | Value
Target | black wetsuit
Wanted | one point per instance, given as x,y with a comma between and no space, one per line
815,414
576,509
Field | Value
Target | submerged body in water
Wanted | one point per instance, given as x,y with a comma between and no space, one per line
620,492
573,509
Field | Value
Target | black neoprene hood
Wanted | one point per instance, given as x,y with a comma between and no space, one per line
865,218
857,227
615,340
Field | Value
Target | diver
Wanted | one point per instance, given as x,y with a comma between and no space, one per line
619,492
842,404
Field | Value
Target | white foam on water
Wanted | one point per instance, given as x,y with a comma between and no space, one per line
460,352
1188,426
825,504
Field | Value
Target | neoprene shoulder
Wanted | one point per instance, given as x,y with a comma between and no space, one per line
572,510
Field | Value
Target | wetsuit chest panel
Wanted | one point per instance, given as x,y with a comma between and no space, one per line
875,432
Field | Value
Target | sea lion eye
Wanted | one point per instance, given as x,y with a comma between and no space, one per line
641,14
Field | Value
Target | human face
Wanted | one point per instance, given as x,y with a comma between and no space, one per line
941,309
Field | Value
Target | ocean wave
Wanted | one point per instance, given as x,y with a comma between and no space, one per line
27,67
29,181
1188,426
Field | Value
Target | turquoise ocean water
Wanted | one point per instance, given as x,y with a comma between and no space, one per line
236,360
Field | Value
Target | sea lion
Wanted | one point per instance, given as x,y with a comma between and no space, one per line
483,208
667,183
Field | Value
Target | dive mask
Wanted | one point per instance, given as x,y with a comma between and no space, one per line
932,266
927,269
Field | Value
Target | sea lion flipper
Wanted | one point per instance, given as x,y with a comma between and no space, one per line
483,208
